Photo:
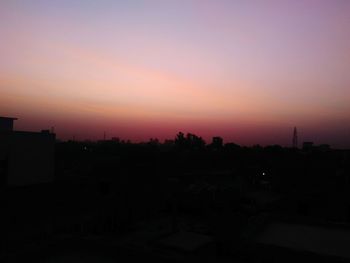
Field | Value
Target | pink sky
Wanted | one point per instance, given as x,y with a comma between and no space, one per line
249,72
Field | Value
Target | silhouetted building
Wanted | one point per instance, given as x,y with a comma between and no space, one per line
324,147
25,157
308,146
6,124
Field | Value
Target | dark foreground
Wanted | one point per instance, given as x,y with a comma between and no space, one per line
181,201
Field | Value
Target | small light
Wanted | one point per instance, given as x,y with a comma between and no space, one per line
263,174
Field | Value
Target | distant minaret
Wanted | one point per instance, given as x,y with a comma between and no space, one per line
295,138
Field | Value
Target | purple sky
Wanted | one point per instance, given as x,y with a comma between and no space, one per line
246,70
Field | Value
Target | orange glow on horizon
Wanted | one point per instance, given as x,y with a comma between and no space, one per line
246,72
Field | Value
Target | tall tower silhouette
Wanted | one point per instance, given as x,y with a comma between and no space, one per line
295,138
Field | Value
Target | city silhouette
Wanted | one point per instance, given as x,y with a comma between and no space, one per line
174,131
178,200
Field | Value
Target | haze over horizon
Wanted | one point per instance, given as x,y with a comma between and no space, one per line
246,71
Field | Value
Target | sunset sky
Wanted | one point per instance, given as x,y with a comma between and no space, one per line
248,71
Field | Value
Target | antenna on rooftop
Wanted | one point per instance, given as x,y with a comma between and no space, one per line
295,138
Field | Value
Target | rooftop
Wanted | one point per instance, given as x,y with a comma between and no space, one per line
7,118
319,240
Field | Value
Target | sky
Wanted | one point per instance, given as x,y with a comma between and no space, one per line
248,71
